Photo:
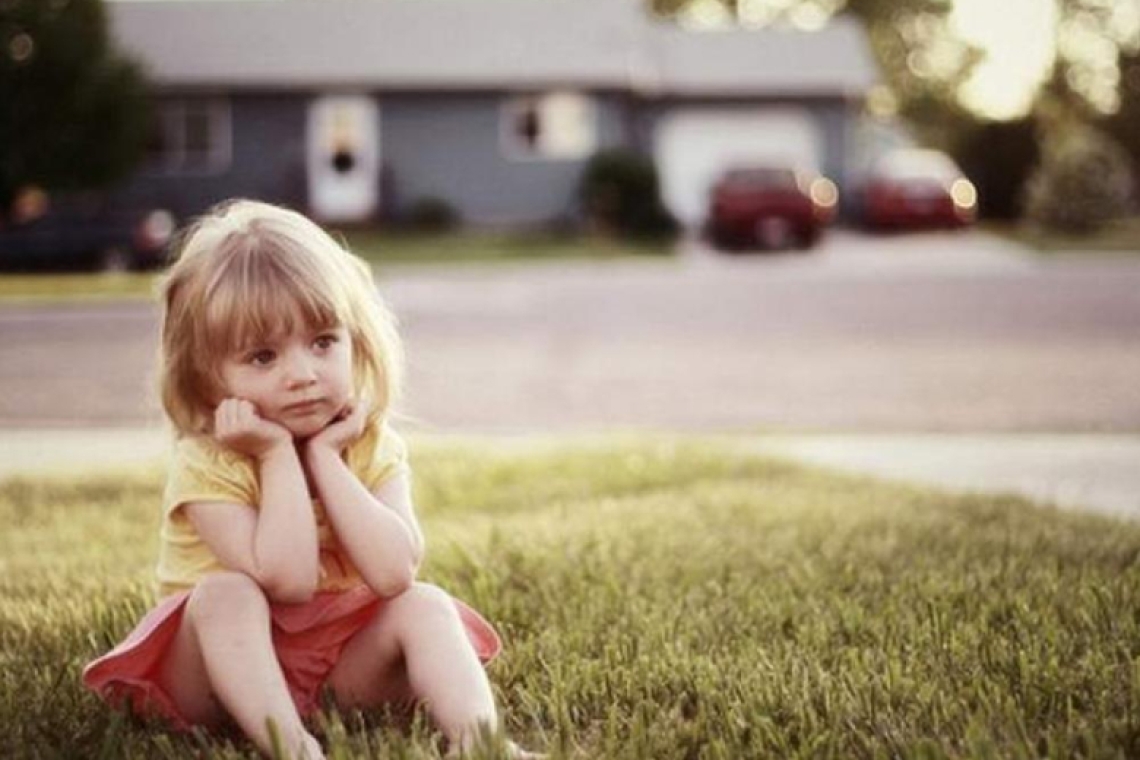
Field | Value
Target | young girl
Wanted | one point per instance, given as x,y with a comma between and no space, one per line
289,543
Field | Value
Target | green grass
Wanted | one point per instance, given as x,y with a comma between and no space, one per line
1121,237
383,249
88,286
658,599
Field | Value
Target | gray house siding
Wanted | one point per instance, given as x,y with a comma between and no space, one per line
450,147
455,148
441,122
267,159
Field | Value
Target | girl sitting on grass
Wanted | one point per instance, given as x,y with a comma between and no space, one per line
289,543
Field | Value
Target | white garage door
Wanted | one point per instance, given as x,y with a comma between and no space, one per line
692,148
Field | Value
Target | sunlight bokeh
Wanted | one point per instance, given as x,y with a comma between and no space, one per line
1017,39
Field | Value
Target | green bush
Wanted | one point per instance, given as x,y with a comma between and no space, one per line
1083,181
620,195
431,214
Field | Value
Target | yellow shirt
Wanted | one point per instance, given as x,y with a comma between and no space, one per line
204,470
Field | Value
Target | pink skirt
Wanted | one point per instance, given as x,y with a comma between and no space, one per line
308,639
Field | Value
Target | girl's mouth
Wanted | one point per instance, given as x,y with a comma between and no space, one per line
303,407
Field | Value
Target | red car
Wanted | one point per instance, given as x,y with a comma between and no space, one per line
909,189
771,207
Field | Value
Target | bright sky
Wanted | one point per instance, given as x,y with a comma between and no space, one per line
1017,39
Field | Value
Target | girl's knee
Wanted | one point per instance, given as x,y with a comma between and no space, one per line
225,594
424,600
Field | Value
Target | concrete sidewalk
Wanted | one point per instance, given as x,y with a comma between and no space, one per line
1094,472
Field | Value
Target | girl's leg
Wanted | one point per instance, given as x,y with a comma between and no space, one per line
417,648
224,651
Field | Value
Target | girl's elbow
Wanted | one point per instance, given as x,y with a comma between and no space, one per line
396,581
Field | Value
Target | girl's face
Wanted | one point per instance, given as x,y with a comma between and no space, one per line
301,380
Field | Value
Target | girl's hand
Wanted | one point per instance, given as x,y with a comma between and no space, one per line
239,427
344,430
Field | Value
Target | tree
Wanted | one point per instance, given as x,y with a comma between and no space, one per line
73,113
1124,125
923,62
1082,181
1090,35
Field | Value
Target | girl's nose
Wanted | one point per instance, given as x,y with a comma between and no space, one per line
299,370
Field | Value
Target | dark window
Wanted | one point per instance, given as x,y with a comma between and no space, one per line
190,135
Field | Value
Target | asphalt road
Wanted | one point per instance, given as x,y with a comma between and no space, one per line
949,360
935,333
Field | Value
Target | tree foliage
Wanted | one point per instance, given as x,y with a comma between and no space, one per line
1089,34
73,113
1083,180
922,62
1124,125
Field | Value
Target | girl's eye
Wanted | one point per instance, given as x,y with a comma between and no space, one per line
262,357
325,341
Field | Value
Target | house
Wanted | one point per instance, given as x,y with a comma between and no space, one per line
357,109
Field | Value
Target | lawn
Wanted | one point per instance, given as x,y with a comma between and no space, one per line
658,599
383,249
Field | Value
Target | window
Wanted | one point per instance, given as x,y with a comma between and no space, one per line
191,136
561,125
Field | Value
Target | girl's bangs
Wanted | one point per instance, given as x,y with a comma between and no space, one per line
264,297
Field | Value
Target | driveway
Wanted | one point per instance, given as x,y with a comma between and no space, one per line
956,335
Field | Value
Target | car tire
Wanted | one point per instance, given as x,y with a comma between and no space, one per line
722,241
807,239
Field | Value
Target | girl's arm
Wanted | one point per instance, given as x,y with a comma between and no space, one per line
378,531
276,545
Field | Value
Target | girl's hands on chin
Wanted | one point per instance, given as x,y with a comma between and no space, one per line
239,427
344,430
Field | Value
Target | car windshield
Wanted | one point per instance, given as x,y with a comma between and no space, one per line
762,177
917,165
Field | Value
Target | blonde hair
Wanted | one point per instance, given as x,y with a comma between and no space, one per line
247,270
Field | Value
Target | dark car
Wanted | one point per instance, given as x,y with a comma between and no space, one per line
772,207
70,233
915,189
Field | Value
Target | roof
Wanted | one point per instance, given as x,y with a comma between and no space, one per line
772,61
460,44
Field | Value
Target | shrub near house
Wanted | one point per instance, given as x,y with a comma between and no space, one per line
621,195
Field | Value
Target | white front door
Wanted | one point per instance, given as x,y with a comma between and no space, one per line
693,147
343,158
